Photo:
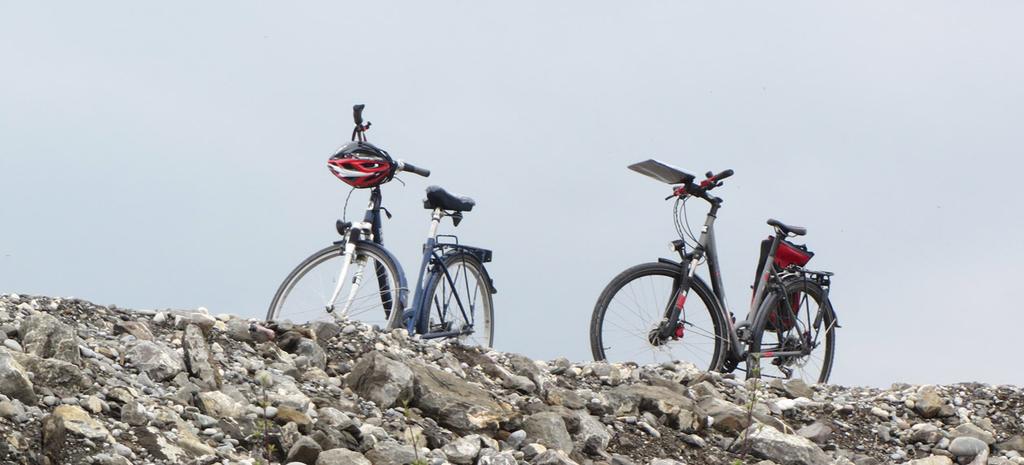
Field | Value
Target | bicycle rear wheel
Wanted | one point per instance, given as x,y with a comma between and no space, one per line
634,303
793,335
372,290
461,300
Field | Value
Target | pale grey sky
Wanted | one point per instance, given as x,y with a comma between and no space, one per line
173,155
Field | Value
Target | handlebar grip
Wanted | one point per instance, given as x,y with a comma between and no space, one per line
415,169
722,175
357,113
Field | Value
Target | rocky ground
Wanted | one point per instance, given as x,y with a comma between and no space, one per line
83,383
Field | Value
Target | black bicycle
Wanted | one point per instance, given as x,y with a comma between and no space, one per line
357,278
646,314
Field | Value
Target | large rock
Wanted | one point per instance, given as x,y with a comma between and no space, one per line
455,403
79,422
341,456
549,429
157,445
14,381
784,449
592,436
218,405
391,453
198,359
45,336
818,432
136,328
62,377
157,361
973,431
1014,443
305,450
463,451
378,378
929,404
966,446
728,417
52,435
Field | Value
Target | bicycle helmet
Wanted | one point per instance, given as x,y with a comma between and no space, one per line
362,165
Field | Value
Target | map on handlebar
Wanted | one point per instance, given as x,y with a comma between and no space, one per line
662,172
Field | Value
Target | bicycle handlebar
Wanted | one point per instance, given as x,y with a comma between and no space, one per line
410,168
357,114
722,175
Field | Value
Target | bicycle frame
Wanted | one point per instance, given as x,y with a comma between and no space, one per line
370,229
707,250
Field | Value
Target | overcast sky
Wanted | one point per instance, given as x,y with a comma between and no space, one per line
173,155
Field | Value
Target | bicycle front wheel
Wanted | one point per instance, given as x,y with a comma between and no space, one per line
460,300
371,291
793,334
634,303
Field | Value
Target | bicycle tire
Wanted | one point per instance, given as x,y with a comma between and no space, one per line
712,308
482,289
761,327
392,300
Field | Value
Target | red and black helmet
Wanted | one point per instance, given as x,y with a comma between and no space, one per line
362,165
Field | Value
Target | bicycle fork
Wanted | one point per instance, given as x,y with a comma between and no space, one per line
346,262
671,327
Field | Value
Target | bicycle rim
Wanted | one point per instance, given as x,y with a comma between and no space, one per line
632,306
369,292
463,303
781,331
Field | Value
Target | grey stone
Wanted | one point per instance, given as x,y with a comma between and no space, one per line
219,405
136,328
455,403
63,377
553,457
305,450
728,417
325,330
463,451
532,450
45,336
929,404
391,453
312,351
549,429
1014,443
157,361
818,432
516,438
384,381
592,436
972,430
134,414
932,460
925,433
14,380
967,446
13,345
492,457
79,422
341,456
797,388
198,359
784,449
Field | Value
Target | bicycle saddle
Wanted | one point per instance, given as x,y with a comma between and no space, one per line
787,229
437,197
